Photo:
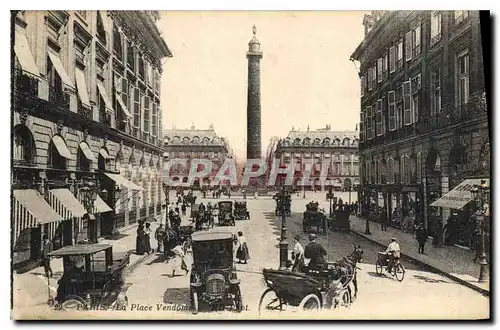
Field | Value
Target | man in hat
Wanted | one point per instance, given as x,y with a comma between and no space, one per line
315,252
393,252
297,255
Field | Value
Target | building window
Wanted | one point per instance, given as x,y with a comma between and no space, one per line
390,170
436,23
392,59
101,31
460,16
24,146
399,54
385,63
157,80
408,45
407,115
369,123
130,56
137,108
416,41
146,114
379,69
391,97
370,78
141,67
378,117
463,78
399,107
419,167
435,91
154,119
117,43
415,90
363,85
362,127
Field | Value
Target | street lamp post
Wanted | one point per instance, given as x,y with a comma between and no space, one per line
329,196
89,194
480,196
283,200
367,223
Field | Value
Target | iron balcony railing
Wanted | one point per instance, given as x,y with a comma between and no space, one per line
26,83
58,96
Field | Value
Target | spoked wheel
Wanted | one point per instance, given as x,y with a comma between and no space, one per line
194,302
310,302
73,304
269,301
238,299
378,267
399,272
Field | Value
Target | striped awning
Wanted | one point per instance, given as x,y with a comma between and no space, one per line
81,87
101,206
56,62
24,55
104,95
61,147
123,106
63,197
120,180
87,152
36,206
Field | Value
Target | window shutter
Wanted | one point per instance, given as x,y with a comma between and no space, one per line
408,45
124,90
143,110
378,117
392,110
379,69
160,127
362,85
154,123
416,44
118,83
373,119
137,107
407,103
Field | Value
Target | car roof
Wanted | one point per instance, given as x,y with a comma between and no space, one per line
210,236
77,250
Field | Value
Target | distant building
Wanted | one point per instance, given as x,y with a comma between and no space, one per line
339,149
194,143
423,121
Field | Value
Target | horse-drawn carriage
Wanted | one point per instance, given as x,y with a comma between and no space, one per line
313,217
340,221
190,199
213,279
226,217
240,211
92,278
311,289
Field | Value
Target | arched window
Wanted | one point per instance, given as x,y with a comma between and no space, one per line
175,140
397,173
307,141
296,142
355,142
317,142
390,170
346,142
104,160
23,146
185,140
405,169
326,142
413,168
195,140
419,167
55,159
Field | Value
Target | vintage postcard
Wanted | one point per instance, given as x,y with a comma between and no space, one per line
210,165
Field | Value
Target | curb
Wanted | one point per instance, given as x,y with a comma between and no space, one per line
434,269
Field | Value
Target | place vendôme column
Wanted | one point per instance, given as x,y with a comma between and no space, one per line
254,56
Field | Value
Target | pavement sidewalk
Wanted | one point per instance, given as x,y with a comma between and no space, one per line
452,262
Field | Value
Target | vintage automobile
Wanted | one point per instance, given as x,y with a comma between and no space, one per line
92,278
340,221
213,279
314,217
240,211
226,217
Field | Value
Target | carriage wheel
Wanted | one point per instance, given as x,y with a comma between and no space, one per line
399,272
275,303
310,302
238,299
343,298
194,302
378,267
73,304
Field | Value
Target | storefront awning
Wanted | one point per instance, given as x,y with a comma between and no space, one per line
61,147
123,106
34,203
458,197
81,87
101,206
104,95
69,201
56,62
120,180
24,55
87,152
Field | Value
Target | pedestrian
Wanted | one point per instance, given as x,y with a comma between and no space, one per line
159,236
421,238
147,238
183,209
383,220
179,256
47,248
316,253
242,253
297,255
139,242
477,243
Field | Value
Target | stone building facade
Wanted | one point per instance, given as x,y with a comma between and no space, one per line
338,149
423,120
87,139
191,144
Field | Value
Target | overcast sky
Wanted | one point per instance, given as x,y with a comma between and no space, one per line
306,75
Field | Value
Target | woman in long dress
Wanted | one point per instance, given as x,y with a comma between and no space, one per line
242,253
147,238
